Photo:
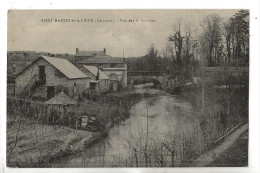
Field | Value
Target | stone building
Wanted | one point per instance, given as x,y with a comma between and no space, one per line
47,76
115,68
99,81
82,55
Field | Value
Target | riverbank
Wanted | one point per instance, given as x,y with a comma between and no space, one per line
231,152
33,144
234,156
218,108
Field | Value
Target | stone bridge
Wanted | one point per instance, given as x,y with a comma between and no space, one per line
158,77
212,74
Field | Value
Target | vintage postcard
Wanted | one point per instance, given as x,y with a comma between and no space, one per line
127,88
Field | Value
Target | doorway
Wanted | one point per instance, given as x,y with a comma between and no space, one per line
50,92
42,75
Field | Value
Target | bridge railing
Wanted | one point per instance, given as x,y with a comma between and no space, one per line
146,73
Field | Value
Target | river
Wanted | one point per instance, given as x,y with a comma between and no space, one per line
163,130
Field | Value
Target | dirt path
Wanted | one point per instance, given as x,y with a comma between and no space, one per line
212,155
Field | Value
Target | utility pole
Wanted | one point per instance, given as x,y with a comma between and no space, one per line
203,86
202,74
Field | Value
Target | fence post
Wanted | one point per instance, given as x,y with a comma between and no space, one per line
136,158
76,123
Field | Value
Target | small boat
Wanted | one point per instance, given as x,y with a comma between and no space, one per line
94,125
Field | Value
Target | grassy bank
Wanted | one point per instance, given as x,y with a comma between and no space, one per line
110,108
35,145
220,108
33,142
235,156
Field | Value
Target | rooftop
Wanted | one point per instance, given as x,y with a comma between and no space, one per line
94,71
90,53
102,60
61,99
65,67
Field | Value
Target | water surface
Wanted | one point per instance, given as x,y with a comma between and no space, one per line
157,125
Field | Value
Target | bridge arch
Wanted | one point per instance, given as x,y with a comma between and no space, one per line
146,79
138,77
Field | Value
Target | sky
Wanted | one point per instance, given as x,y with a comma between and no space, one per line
32,30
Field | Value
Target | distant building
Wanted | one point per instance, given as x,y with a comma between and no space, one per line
99,81
47,76
115,68
82,55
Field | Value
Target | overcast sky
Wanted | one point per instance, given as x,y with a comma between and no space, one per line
26,31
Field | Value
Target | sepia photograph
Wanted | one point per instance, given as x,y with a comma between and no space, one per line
127,88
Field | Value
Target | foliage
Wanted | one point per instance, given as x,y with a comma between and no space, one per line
150,62
211,40
219,43
236,33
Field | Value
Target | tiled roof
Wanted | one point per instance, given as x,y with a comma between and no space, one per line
65,67
102,60
94,70
90,53
61,99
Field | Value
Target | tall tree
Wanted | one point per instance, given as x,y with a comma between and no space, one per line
236,34
177,39
150,62
152,55
211,38
188,52
227,33
240,40
183,48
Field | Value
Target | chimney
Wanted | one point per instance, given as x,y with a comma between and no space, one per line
97,77
77,49
105,51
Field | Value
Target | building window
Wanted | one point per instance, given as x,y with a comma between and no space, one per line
42,75
50,92
113,77
113,65
74,88
106,83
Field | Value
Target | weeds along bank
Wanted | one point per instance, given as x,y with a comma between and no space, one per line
220,108
37,135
